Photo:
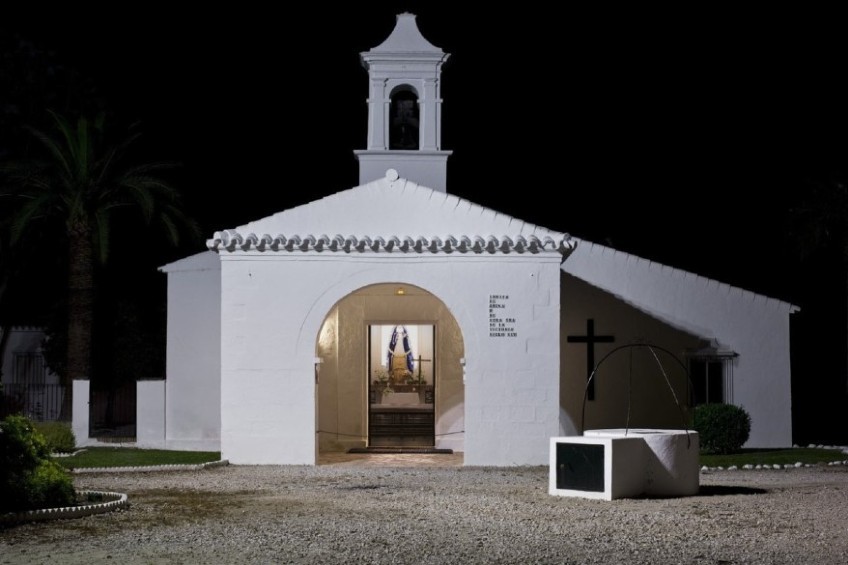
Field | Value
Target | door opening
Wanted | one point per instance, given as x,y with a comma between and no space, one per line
401,385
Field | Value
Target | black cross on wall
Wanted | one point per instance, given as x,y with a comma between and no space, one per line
590,339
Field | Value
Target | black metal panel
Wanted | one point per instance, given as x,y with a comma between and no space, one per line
580,466
401,423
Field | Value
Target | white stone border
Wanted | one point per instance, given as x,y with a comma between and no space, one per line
151,468
778,467
118,500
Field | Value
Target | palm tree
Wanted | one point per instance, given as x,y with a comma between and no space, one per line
82,183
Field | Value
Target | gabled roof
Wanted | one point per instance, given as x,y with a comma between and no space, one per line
203,261
658,288
391,215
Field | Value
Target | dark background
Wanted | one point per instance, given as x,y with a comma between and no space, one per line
682,136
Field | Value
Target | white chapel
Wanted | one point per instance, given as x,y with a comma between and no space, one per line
394,315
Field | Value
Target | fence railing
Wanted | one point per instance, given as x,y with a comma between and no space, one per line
38,402
112,412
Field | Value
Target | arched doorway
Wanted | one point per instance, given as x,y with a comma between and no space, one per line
350,356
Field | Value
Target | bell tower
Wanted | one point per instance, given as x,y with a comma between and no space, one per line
404,108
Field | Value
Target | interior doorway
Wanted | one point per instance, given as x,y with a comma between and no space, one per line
401,385
347,353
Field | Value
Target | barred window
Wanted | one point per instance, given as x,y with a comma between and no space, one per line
711,375
29,368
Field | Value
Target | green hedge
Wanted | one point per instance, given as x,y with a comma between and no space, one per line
722,428
29,479
59,436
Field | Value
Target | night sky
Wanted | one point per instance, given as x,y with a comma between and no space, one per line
682,136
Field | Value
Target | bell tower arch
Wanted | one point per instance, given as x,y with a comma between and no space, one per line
404,108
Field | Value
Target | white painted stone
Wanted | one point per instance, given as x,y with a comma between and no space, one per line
621,455
671,460
638,462
150,414
80,414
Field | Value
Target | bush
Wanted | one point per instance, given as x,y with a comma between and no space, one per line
29,479
50,486
59,436
722,428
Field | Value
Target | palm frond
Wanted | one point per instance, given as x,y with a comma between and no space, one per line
85,182
54,149
21,178
31,210
105,165
142,196
170,228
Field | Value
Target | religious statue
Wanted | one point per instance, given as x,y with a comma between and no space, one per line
399,356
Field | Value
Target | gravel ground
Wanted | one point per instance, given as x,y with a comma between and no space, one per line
421,515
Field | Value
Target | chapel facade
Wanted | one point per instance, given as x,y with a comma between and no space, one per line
397,315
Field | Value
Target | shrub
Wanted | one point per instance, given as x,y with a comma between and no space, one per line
59,436
722,428
50,486
29,479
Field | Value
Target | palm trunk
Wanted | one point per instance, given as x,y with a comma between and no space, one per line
80,313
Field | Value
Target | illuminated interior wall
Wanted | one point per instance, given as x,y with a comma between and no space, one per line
420,338
343,350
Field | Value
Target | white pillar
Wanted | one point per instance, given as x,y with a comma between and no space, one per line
150,414
81,413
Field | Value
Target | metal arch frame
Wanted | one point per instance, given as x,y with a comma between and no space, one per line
652,349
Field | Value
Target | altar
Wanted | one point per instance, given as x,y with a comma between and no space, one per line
402,417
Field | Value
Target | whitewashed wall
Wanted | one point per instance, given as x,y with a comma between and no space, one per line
630,383
427,168
193,384
275,303
754,326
